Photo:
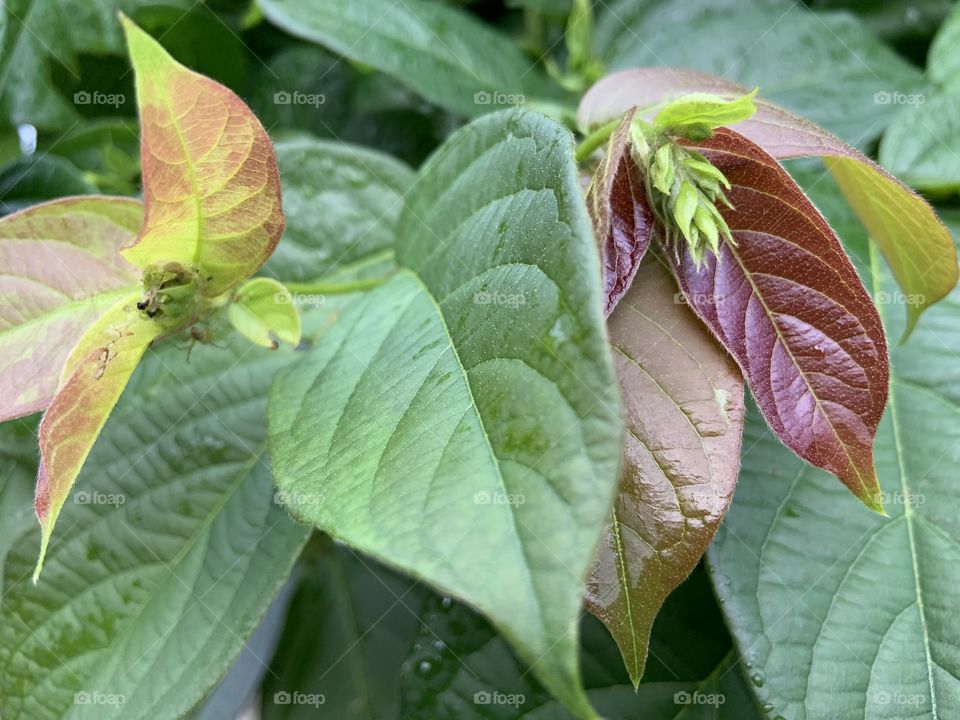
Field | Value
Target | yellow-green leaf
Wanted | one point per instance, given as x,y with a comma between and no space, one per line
210,180
263,311
95,376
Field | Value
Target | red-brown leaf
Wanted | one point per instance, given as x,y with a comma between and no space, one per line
622,220
789,306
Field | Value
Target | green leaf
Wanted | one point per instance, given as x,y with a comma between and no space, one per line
847,614
348,631
173,547
342,204
696,116
441,52
921,145
943,61
824,65
491,339
43,36
263,311
32,180
459,669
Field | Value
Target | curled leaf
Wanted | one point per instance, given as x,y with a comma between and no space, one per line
697,115
95,376
263,311
915,243
210,180
789,306
61,272
622,220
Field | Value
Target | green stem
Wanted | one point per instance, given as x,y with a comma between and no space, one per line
335,288
595,139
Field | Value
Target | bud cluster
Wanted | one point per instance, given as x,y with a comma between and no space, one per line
683,188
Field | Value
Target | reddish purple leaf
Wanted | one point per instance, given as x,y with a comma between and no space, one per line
622,219
789,306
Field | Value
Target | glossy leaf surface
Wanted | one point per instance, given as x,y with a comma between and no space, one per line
789,306
683,399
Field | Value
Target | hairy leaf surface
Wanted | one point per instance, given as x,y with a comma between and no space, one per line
683,400
61,272
789,306
912,238
472,434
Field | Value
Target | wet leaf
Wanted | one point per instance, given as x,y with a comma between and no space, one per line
461,422
683,402
789,306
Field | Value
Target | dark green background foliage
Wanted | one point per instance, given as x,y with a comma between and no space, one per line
156,599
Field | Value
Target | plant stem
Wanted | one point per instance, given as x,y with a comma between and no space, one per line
335,288
595,139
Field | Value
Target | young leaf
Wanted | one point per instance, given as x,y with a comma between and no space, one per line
473,436
210,181
169,553
683,401
263,311
61,272
622,220
788,305
697,115
913,240
93,383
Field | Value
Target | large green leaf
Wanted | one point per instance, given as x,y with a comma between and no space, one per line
843,613
462,422
43,36
922,144
342,204
943,62
459,669
448,56
824,65
348,632
172,550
